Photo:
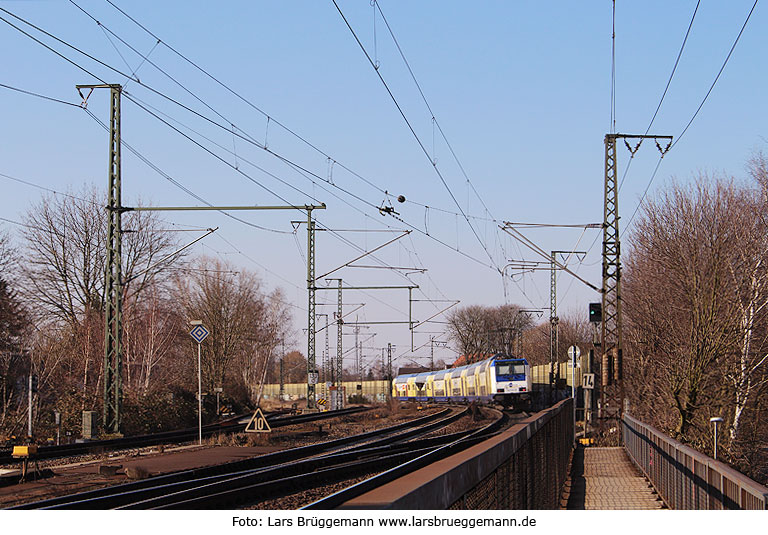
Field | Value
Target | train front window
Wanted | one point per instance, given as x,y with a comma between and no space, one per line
510,368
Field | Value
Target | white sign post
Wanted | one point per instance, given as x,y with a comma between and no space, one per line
199,333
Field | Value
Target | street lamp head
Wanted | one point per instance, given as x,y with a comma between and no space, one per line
715,420
195,322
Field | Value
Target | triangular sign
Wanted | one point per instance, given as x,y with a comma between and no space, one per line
258,423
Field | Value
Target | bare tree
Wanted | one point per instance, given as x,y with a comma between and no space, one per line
152,342
269,330
65,254
480,331
8,256
749,279
62,281
246,325
678,296
573,330
294,368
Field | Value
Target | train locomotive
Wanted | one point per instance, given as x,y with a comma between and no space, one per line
501,379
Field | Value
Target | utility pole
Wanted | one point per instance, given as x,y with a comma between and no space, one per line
311,289
611,342
389,367
113,286
432,353
113,320
384,370
326,370
113,354
339,313
383,364
554,320
339,340
327,361
339,335
361,366
31,389
282,379
358,357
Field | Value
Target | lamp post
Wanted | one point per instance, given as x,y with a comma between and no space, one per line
715,421
199,333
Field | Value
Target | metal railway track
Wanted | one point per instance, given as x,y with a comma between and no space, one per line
286,479
420,461
223,481
328,469
231,425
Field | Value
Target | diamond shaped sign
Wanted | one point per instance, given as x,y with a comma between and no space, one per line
199,333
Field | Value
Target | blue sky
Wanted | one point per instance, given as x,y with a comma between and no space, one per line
520,89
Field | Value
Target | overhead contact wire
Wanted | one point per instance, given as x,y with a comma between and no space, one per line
182,106
432,114
415,135
287,129
701,105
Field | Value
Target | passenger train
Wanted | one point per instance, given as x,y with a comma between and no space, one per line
501,379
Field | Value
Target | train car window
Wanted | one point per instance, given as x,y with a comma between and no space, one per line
508,368
470,385
456,386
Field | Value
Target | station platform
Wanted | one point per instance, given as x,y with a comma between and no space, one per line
605,478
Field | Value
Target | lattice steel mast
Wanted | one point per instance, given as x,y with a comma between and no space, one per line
113,346
553,319
611,327
311,322
113,283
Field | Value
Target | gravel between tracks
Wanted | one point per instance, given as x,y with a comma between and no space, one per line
297,501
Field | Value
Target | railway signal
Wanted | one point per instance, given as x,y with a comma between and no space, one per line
199,333
595,312
258,423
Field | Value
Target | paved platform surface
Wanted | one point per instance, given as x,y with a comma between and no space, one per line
605,478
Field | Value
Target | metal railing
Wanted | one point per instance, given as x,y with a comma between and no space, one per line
685,478
533,468
523,467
